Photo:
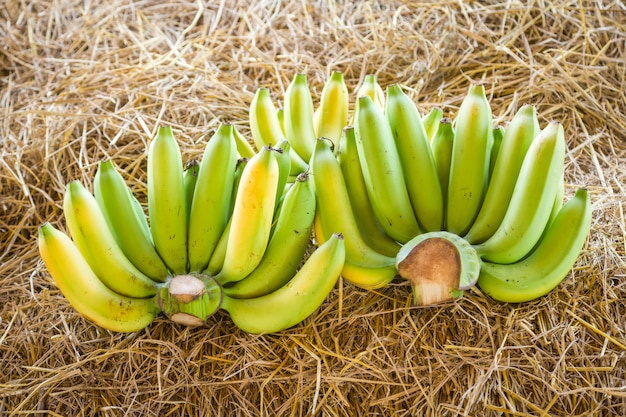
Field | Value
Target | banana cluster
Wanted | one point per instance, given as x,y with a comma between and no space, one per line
228,232
445,203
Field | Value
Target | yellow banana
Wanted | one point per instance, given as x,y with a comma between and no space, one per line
298,118
334,214
418,164
85,292
549,263
532,200
210,208
252,217
469,167
94,239
382,172
287,246
520,133
297,299
127,221
167,207
333,109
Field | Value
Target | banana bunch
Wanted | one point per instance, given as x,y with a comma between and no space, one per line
226,232
445,203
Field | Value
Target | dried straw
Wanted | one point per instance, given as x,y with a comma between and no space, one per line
81,81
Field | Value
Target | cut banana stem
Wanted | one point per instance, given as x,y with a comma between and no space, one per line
439,266
190,299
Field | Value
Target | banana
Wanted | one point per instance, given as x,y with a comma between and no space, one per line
297,299
416,158
284,168
498,135
166,200
441,145
266,127
217,257
532,200
363,266
369,227
244,148
252,217
190,178
382,171
85,292
373,90
212,197
287,246
94,239
298,117
127,221
431,122
333,109
469,168
549,263
524,127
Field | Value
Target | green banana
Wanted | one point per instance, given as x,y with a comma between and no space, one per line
166,200
524,127
94,239
127,221
431,122
297,299
549,263
373,90
211,199
298,118
382,171
244,148
85,292
287,246
366,221
333,109
190,178
441,145
532,200
363,266
416,158
284,168
469,168
498,136
252,217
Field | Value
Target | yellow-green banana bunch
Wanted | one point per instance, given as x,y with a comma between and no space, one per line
227,232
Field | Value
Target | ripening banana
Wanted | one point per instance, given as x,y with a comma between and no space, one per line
431,122
190,177
94,239
127,221
298,118
524,127
532,200
252,216
549,263
333,109
212,197
287,246
364,266
418,164
266,127
373,90
366,221
297,299
167,207
382,171
85,292
441,145
469,168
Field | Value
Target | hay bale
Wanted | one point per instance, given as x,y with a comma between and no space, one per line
84,81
